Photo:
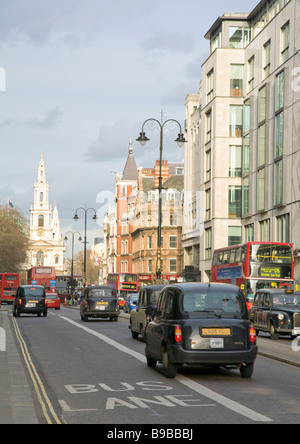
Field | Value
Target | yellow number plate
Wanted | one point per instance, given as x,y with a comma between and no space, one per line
216,332
102,303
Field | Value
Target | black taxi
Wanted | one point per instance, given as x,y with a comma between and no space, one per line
276,312
203,325
99,302
30,299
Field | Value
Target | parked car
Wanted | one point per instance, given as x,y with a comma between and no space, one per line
131,302
276,312
201,324
100,302
143,314
53,301
30,300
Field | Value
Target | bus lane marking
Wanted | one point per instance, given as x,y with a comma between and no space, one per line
192,385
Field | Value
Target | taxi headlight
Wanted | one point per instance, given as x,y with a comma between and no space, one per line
281,317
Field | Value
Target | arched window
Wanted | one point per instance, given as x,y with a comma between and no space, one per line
41,197
41,220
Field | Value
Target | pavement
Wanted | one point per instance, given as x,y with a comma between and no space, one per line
16,402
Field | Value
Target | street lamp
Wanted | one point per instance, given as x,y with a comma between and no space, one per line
143,139
76,218
72,263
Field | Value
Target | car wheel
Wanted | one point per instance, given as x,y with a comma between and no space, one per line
45,314
170,369
247,370
134,334
151,362
273,333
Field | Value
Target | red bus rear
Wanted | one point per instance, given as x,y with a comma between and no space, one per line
253,266
124,283
45,276
9,283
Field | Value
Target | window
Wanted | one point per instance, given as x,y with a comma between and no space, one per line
247,117
235,161
208,127
261,158
173,265
210,86
149,263
41,220
279,135
236,121
245,204
207,204
249,233
283,228
235,201
267,59
208,165
261,190
236,80
246,156
173,241
279,99
234,236
149,242
251,71
40,257
264,228
278,184
239,37
285,42
262,105
208,244
41,197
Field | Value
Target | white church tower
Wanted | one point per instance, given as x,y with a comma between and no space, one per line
46,241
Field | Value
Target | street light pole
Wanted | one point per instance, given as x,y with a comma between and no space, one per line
76,218
72,263
143,140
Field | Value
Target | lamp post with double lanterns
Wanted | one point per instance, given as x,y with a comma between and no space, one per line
143,139
76,218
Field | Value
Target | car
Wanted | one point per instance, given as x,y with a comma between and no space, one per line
99,302
30,300
131,302
276,311
53,301
143,314
203,325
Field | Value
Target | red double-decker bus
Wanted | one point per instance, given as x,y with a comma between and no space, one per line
9,283
124,283
45,276
255,265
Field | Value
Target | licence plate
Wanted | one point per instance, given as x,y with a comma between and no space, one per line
31,305
102,303
216,332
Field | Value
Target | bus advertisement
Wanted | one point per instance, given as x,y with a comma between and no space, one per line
124,283
9,283
253,266
45,276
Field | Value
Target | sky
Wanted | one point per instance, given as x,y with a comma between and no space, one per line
77,80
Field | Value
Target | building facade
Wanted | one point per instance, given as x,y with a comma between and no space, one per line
46,240
248,112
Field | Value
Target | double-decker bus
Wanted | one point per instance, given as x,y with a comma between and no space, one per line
45,276
9,283
255,265
124,283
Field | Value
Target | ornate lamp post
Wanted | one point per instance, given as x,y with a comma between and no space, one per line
76,218
143,139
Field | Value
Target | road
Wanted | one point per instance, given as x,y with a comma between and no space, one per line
95,373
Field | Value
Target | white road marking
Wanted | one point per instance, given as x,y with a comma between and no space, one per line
2,340
198,388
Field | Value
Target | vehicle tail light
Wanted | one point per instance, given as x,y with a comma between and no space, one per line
46,301
20,301
178,334
252,334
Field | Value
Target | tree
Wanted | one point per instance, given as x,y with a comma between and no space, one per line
92,269
14,239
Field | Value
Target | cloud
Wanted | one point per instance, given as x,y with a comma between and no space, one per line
49,122
163,41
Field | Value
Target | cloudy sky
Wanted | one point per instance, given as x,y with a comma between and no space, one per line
81,77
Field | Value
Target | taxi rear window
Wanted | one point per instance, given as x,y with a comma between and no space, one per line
102,293
34,291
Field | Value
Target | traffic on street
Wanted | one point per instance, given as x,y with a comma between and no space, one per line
96,373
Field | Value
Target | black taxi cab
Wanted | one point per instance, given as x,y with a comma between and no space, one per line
201,325
30,299
99,302
276,312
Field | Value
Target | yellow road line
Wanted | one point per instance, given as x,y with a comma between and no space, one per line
38,385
